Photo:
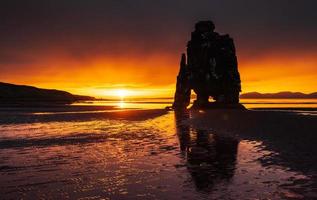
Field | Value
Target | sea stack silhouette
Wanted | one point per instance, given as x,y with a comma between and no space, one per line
210,69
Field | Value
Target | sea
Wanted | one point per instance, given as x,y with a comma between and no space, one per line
137,149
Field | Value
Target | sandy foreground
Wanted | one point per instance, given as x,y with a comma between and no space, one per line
109,153
291,135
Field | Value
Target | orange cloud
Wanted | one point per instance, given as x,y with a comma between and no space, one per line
155,74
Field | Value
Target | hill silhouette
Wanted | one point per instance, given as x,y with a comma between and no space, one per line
11,94
279,95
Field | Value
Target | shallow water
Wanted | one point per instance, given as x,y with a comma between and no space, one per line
248,103
162,157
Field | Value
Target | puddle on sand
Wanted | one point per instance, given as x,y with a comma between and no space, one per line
159,158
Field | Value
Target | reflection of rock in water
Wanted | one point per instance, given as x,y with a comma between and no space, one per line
211,158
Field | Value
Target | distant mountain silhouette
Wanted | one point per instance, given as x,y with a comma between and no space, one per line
11,94
279,95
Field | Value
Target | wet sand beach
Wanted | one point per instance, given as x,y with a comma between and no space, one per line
290,135
115,153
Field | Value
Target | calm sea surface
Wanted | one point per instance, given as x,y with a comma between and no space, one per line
90,153
249,103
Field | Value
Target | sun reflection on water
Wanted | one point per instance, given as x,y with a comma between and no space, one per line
121,104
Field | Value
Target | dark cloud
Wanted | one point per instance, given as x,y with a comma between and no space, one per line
86,28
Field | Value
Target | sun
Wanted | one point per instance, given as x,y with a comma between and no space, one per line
121,93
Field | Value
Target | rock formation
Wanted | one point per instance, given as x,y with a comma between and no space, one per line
210,70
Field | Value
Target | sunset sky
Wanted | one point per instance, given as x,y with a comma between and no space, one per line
95,47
